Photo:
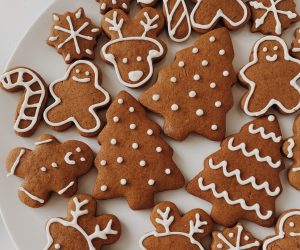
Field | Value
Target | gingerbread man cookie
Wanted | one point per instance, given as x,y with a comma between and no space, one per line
207,13
74,35
134,45
81,229
31,107
295,50
51,167
78,95
236,238
272,16
271,77
287,232
174,231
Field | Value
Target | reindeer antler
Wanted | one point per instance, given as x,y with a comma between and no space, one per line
102,234
166,221
116,26
149,23
196,227
77,213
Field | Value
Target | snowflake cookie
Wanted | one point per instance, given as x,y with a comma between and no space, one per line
287,232
74,35
174,231
271,77
272,16
81,229
207,13
77,97
50,167
295,50
193,94
32,104
236,238
134,161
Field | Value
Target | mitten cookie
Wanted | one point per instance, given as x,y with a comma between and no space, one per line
77,97
50,167
173,231
193,94
207,13
236,238
287,232
272,16
81,229
291,149
134,45
32,104
271,77
295,50
74,35
241,179
134,162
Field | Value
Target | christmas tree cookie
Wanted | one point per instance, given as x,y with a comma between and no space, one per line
193,94
134,161
241,180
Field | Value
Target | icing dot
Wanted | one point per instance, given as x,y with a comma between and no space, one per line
199,112
212,39
77,71
125,60
78,149
173,79
142,163
139,59
116,119
120,101
151,182
195,50
192,93
265,49
291,224
131,109
113,141
149,131
196,77
43,169
120,159
82,159
246,237
123,182
181,64
54,165
103,162
57,246
271,118
214,127
158,149
225,73
219,246
135,145
204,63
230,235
103,188
218,104
221,52
167,171
87,73
213,85
174,107
275,48
132,126
155,97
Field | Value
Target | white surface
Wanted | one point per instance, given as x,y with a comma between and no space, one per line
27,225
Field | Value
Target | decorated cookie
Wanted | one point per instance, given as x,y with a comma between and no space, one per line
271,77
134,45
50,167
295,50
193,93
241,179
107,5
272,16
287,232
77,97
173,231
74,35
291,148
207,14
30,108
134,162
236,238
147,3
81,229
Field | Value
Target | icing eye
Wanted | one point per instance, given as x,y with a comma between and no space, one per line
265,49
275,48
139,59
125,60
57,246
291,224
87,73
77,71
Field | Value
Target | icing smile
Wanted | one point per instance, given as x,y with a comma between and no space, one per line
271,58
68,159
135,76
81,80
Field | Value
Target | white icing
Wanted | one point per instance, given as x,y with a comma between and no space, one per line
120,160
63,190
78,13
199,112
212,39
155,97
94,30
218,104
195,50
116,119
132,126
149,132
68,160
181,64
120,101
43,169
55,17
31,196
222,52
158,149
290,148
123,182
89,52
135,75
151,182
103,162
263,134
113,141
103,188
81,80
16,163
204,63
54,165
196,77
131,109
174,107
173,79
214,127
135,145
272,58
43,142
167,171
78,149
225,73
53,38
139,58
192,94
142,163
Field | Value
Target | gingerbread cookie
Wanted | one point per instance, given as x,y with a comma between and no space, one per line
107,5
147,3
193,94
77,97
271,77
242,180
287,232
174,231
81,229
134,161
74,35
31,107
50,167
292,151
272,16
295,50
236,238
134,45
207,13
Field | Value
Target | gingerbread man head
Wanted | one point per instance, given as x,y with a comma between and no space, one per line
270,50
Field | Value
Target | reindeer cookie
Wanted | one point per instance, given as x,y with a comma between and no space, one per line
77,97
50,167
207,13
74,35
81,229
134,45
30,108
295,50
287,232
271,77
174,231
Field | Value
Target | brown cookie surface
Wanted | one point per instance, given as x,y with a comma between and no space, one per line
176,231
242,180
295,50
50,167
193,94
134,161
82,229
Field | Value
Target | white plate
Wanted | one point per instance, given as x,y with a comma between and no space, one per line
26,225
